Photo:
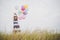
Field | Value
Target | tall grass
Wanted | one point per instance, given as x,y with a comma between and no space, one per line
31,36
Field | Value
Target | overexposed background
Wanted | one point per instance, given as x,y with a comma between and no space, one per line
43,15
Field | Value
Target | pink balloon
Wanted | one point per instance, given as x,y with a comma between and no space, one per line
21,17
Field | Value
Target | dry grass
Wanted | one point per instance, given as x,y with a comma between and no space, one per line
31,36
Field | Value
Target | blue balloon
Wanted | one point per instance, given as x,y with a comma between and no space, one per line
19,12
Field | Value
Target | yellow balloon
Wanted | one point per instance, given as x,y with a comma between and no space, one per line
26,6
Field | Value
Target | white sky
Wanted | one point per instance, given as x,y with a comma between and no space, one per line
43,14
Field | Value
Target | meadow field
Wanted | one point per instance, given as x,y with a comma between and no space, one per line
30,36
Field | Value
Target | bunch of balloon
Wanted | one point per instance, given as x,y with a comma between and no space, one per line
23,12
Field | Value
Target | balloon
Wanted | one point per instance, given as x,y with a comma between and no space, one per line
25,13
21,17
22,12
19,12
25,6
22,8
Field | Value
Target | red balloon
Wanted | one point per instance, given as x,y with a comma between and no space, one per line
22,8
